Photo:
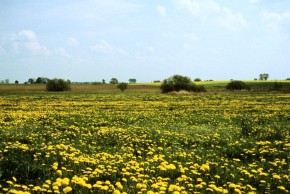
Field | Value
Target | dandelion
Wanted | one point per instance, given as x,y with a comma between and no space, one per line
67,189
105,187
276,176
59,172
119,186
170,167
283,188
116,192
205,167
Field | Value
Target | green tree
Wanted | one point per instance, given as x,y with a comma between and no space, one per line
132,81
178,82
41,80
58,85
122,86
237,85
114,81
263,76
30,81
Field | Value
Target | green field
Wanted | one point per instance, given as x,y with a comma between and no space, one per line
96,139
211,86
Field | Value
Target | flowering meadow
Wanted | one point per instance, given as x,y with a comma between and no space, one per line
89,142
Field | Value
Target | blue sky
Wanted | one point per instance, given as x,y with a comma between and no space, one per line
91,40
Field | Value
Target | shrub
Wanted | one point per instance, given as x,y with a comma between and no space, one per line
197,79
178,82
57,85
237,85
122,86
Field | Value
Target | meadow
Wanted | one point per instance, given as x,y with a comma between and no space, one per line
144,142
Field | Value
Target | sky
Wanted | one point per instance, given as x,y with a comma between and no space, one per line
92,40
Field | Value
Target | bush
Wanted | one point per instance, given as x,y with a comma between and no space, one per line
57,85
237,85
178,82
122,86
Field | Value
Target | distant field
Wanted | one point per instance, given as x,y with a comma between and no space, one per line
147,87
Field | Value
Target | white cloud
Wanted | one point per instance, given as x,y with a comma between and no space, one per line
26,40
104,47
150,49
231,20
62,52
255,1
93,17
187,46
162,10
72,42
200,8
190,36
210,11
275,16
187,36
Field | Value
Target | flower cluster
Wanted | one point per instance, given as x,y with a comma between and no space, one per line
144,143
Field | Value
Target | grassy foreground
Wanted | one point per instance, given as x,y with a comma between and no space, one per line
144,142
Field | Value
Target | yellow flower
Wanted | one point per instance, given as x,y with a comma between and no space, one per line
276,176
116,192
67,189
205,167
59,172
170,167
119,186
65,181
106,187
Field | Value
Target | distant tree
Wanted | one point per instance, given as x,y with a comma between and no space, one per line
30,81
114,81
237,85
7,81
197,79
122,86
16,82
263,76
97,83
132,81
156,81
41,80
38,80
103,81
178,82
57,85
